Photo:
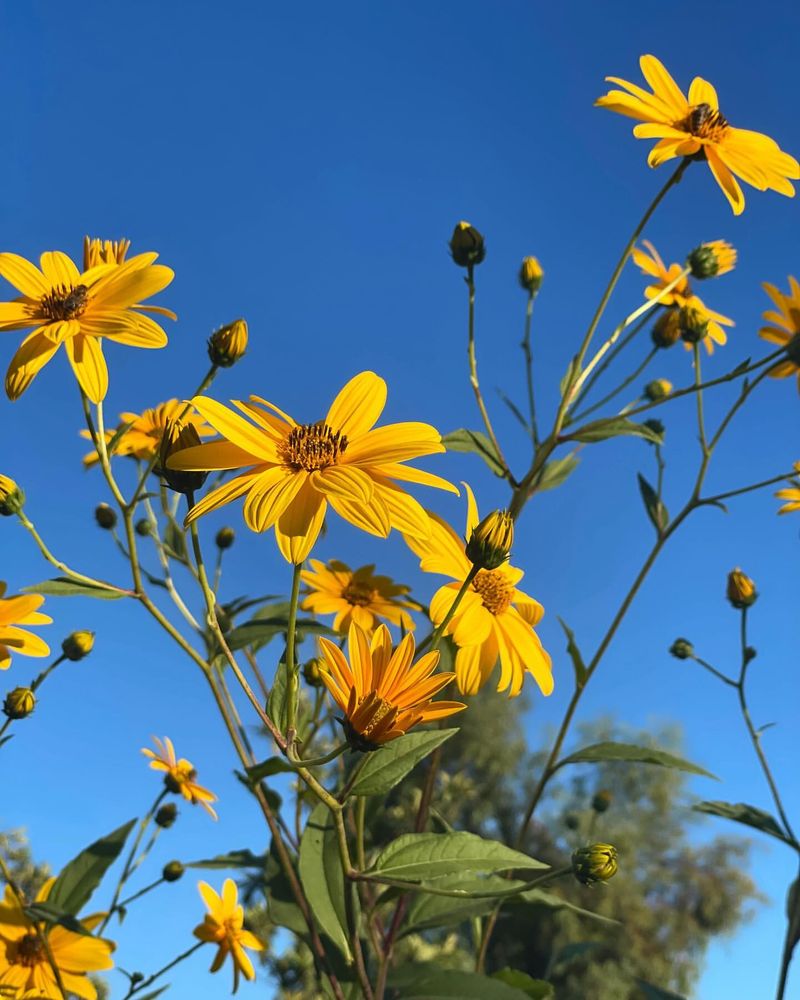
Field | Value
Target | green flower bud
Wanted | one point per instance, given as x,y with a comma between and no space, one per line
172,871
166,815
467,247
693,324
12,498
227,345
572,821
19,703
105,516
657,390
178,437
682,649
489,545
710,260
595,863
225,538
793,349
657,427
142,527
77,645
741,591
602,800
311,673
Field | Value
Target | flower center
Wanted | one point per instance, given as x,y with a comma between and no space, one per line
495,591
379,710
705,123
65,302
313,446
30,951
358,594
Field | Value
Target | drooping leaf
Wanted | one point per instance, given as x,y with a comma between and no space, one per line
634,755
55,915
428,982
323,879
62,586
653,504
117,436
540,897
514,409
153,994
81,876
258,631
428,910
276,703
476,443
750,816
175,540
387,767
793,917
417,856
269,767
556,472
575,655
537,989
233,859
611,427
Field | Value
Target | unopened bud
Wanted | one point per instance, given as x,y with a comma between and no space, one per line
105,516
467,247
12,498
657,427
142,527
530,274
710,260
19,703
178,437
741,591
602,800
311,673
693,324
489,545
657,390
595,863
77,645
137,977
172,871
750,653
572,821
667,329
227,345
225,538
682,649
166,815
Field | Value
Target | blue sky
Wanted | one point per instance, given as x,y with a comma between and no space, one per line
303,166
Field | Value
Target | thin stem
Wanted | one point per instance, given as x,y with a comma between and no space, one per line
62,566
526,350
623,385
249,655
361,812
163,558
292,668
316,761
136,895
610,357
698,382
352,778
713,670
719,497
133,990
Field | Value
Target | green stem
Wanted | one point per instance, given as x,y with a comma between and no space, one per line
719,497
623,385
698,382
136,895
292,668
713,670
612,355
133,990
526,350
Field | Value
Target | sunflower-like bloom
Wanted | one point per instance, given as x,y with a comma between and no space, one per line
16,611
223,926
142,439
712,260
180,775
791,494
381,691
784,328
681,296
694,125
359,596
25,969
494,619
78,309
293,471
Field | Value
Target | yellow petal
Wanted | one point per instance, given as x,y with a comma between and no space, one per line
358,405
32,355
23,275
299,526
86,357
235,428
59,269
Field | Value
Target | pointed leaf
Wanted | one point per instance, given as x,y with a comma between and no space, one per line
655,508
514,409
556,472
267,768
750,816
651,992
477,443
428,982
387,767
537,989
601,430
233,859
81,876
323,879
175,540
276,703
575,655
540,897
417,856
62,586
635,755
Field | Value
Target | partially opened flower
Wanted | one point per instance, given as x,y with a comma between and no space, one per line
79,309
223,926
179,775
784,328
359,596
25,968
143,431
681,296
791,494
16,611
293,471
495,620
381,691
695,126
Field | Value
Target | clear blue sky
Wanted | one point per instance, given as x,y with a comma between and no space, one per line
303,166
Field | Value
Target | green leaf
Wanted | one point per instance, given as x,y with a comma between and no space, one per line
123,429
793,918
575,655
427,910
233,859
81,876
652,992
540,897
601,430
175,540
62,586
323,879
276,703
417,856
750,816
267,768
55,915
653,504
569,376
572,951
257,632
538,989
5,739
476,443
514,409
428,982
387,767
154,993
634,755
556,472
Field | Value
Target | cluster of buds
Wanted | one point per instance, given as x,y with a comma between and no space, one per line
227,345
710,260
657,390
12,498
489,545
595,863
178,437
530,275
19,703
77,645
467,247
741,590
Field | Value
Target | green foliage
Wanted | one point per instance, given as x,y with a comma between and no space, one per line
322,877
476,443
386,767
62,586
418,856
81,876
625,752
750,816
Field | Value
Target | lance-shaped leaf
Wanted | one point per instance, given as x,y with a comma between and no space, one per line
556,472
62,586
653,504
387,767
323,879
417,856
233,859
750,816
575,655
536,989
429,982
476,443
81,876
601,430
634,755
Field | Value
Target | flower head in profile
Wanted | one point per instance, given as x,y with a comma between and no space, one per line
380,690
16,611
359,596
223,925
712,260
693,125
179,775
294,471
25,968
79,310
784,328
495,620
141,433
682,296
791,494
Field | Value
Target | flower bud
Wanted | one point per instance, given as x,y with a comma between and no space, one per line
225,538
657,427
750,653
19,703
682,649
142,527
137,977
710,260
166,815
693,324
178,437
602,800
793,349
489,545
311,673
227,345
105,516
466,245
667,329
12,497
77,645
530,275
172,871
741,591
657,390
595,863
572,821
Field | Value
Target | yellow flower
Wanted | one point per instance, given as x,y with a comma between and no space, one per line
358,596
792,494
711,260
180,775
24,965
227,345
293,471
78,645
530,274
12,498
15,611
77,310
380,692
97,251
142,439
223,925
686,126
494,619
784,328
681,295
178,436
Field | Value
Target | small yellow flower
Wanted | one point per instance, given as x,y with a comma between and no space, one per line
694,126
381,691
530,274
741,590
658,389
96,252
791,495
12,498
15,611
77,645
651,264
467,246
358,596
227,345
78,310
223,926
144,431
784,328
180,775
595,863
711,260
489,545
24,964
